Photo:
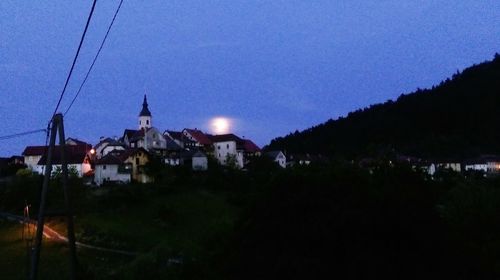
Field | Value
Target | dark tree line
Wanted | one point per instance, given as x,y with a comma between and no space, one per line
457,118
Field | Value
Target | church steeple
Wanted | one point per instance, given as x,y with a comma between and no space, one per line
145,111
145,115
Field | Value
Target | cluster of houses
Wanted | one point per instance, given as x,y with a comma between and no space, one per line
123,159
487,165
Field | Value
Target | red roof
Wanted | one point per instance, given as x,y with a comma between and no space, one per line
34,150
250,146
41,150
73,156
199,136
225,138
244,144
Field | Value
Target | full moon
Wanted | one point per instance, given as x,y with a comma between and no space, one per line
220,125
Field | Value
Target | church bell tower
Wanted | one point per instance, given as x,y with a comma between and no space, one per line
145,115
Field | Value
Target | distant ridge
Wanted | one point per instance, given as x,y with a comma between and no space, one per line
459,118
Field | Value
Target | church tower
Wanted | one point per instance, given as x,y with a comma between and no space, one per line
145,115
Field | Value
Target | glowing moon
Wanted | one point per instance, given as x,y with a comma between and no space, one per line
220,125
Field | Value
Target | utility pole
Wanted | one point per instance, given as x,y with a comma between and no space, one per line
57,127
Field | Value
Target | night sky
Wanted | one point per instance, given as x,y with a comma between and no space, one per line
273,66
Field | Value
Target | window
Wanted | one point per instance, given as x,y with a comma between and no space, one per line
227,146
147,122
218,147
140,122
104,167
137,161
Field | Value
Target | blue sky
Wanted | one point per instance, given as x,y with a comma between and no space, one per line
273,66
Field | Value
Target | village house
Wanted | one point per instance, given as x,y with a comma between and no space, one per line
123,166
278,157
194,158
111,168
229,147
77,157
194,138
76,149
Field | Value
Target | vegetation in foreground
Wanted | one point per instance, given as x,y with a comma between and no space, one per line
338,220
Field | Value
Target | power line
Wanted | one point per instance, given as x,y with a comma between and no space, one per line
5,137
95,58
74,60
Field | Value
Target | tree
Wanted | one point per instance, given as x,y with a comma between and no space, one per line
57,172
232,161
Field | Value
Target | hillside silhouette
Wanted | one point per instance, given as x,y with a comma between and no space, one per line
458,118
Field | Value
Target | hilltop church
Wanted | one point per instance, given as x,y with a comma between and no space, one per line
146,136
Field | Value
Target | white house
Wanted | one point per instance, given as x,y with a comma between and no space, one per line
111,168
278,157
228,147
77,157
76,150
32,155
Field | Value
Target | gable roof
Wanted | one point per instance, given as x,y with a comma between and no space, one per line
73,156
76,141
243,144
175,135
226,138
199,136
250,147
108,142
41,150
34,150
274,154
110,159
130,133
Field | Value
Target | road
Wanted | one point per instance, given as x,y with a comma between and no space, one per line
53,235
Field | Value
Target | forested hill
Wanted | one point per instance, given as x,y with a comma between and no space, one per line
459,118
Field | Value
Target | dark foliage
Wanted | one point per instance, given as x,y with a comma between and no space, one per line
343,223
458,118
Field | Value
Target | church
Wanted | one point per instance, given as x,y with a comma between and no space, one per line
146,136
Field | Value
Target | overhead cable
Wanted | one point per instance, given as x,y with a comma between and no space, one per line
95,58
15,135
74,60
